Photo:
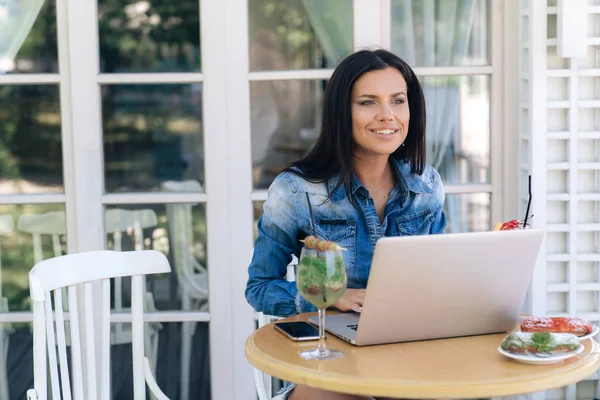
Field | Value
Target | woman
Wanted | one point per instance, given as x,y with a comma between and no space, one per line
366,178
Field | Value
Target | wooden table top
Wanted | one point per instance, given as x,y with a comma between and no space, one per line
467,367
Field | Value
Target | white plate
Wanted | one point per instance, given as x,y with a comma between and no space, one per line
595,330
551,359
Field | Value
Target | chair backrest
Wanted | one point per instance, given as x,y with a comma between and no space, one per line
180,222
76,274
7,224
118,221
52,223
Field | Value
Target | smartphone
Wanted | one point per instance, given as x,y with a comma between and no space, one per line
299,331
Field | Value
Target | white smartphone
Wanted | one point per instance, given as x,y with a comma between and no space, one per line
298,331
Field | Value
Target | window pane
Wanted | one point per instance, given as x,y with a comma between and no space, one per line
299,34
149,36
28,42
441,33
30,141
152,133
458,127
468,212
19,358
28,234
178,231
286,120
171,346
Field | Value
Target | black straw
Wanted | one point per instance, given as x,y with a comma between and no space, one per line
528,205
312,217
312,221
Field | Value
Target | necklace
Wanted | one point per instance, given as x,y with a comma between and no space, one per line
377,188
373,191
385,179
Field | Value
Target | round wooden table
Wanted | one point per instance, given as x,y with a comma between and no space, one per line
466,367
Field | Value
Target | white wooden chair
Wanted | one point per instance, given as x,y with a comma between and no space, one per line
75,275
264,382
6,226
191,275
117,221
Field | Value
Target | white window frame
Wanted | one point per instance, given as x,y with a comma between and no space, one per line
226,122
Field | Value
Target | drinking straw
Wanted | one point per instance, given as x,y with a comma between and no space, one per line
312,217
314,231
528,205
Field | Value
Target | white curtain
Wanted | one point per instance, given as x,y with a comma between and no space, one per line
331,20
16,19
437,33
432,33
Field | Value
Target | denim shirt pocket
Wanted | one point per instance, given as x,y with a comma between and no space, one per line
343,232
418,223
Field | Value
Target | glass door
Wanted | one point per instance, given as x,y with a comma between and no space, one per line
108,152
154,190
34,178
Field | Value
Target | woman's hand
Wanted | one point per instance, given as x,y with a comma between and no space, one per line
352,299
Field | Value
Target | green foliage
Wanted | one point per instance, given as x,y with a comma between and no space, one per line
153,36
8,164
30,140
288,23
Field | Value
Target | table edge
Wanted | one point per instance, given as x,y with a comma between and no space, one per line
416,389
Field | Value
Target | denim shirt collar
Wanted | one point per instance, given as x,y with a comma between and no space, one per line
405,182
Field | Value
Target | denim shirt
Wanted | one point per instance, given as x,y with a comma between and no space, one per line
414,207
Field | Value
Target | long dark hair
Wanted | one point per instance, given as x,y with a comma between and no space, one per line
333,151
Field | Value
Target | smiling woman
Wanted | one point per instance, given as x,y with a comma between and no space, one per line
365,178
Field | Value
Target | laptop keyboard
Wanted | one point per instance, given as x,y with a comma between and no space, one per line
353,327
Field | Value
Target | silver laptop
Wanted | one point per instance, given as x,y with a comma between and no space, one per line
440,286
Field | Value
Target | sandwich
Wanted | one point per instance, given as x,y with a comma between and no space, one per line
539,342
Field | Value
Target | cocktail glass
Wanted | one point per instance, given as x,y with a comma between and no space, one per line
321,280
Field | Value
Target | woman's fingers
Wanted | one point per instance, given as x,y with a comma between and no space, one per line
359,298
352,299
356,308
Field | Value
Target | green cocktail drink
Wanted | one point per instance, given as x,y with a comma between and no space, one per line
321,277
321,280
